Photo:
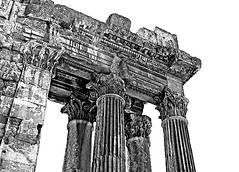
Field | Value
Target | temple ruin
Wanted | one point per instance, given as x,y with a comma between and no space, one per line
102,73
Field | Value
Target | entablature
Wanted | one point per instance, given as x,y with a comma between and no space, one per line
153,58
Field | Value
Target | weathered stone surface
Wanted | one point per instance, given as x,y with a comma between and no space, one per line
10,70
138,126
175,84
12,56
6,6
79,109
32,94
7,88
137,131
139,155
37,77
178,151
78,148
34,34
19,151
165,38
5,104
172,104
119,21
7,166
28,111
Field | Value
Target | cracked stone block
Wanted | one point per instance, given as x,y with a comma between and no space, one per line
25,131
175,84
5,104
28,111
10,70
36,77
7,166
7,88
3,121
6,6
32,94
19,151
11,56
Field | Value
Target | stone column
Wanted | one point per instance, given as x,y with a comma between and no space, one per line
81,115
137,130
26,73
109,146
178,151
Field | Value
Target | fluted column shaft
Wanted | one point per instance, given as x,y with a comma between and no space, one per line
109,146
138,143
178,151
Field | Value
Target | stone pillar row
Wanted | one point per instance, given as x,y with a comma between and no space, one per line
178,151
112,125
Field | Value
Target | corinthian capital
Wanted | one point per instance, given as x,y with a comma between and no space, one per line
172,104
107,84
138,126
40,54
78,109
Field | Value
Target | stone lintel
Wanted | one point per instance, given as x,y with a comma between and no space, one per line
71,21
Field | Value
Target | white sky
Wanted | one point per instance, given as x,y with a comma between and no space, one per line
205,29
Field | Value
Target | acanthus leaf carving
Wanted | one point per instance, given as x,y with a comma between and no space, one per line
80,109
112,83
41,54
172,104
138,126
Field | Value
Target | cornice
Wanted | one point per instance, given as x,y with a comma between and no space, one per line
158,48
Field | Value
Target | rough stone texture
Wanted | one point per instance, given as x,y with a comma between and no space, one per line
81,115
32,94
137,130
36,77
40,39
178,151
25,75
78,147
138,155
118,20
13,166
5,105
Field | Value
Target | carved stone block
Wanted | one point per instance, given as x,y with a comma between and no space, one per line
32,94
5,104
10,70
7,165
28,111
7,88
36,77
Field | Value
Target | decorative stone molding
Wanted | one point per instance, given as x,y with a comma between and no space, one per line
39,54
172,104
79,110
111,83
138,126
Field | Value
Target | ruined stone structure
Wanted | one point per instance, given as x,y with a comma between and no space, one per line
101,72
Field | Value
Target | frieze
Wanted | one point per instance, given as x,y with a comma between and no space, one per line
156,49
92,43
